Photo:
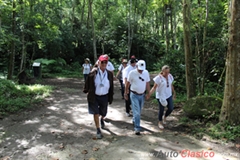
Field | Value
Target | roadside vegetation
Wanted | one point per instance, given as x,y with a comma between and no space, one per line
14,97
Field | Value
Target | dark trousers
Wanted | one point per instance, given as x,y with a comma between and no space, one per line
122,87
128,103
161,108
85,77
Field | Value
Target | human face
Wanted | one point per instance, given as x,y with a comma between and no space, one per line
103,64
124,64
166,72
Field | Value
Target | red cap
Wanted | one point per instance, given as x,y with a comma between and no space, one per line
103,58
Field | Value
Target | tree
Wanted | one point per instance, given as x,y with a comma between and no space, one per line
231,102
188,50
12,54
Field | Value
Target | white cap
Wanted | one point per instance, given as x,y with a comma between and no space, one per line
141,65
163,102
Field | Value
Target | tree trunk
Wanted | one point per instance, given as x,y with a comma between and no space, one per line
93,30
167,30
231,102
188,50
12,54
23,58
203,67
129,29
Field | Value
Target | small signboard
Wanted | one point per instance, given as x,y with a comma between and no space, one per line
36,64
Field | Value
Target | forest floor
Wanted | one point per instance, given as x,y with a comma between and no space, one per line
60,128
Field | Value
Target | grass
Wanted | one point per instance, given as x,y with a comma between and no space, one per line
15,97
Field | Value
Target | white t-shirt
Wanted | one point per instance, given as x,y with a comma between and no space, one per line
126,71
162,91
138,81
86,68
102,83
110,66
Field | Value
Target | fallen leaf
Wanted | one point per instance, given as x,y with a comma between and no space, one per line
92,159
84,152
70,155
177,142
61,146
94,138
209,148
130,151
55,159
95,149
53,132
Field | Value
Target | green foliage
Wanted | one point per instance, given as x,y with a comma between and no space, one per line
16,97
203,107
224,131
52,65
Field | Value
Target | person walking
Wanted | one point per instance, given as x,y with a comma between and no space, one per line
86,68
119,75
165,94
139,80
125,73
99,88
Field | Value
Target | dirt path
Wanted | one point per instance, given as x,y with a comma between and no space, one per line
61,128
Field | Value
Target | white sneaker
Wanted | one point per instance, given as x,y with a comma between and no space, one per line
160,126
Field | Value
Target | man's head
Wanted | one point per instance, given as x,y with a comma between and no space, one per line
102,61
133,62
141,65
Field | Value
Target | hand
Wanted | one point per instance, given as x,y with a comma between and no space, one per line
174,97
115,79
126,96
147,96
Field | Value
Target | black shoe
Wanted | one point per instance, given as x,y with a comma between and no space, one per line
102,123
137,133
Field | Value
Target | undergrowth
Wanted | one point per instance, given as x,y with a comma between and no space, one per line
15,97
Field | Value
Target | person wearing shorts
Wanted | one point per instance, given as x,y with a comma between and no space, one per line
99,89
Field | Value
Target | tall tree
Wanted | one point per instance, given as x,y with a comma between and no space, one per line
12,54
231,102
93,29
188,50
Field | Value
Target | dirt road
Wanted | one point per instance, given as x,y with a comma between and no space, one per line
60,128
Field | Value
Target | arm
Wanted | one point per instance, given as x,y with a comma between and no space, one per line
127,84
118,73
174,93
152,90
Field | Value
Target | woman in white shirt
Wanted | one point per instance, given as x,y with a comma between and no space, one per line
165,94
119,75
86,68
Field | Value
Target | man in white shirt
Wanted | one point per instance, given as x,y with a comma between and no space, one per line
125,73
99,88
139,80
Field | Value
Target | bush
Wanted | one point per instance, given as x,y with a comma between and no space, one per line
203,107
16,97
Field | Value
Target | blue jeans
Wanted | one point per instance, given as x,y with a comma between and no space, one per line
161,108
137,105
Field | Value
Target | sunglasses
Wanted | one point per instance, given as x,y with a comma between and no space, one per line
104,62
167,84
141,78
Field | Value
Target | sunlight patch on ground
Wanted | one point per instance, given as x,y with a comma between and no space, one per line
33,121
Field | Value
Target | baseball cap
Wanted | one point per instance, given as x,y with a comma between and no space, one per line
103,58
124,61
141,65
163,102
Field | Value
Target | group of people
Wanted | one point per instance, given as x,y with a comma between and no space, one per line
135,88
